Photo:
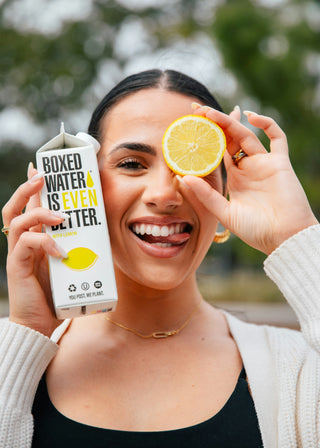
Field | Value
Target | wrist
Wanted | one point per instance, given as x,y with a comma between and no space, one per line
40,326
290,233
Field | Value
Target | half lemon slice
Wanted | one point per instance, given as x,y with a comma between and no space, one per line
80,259
193,144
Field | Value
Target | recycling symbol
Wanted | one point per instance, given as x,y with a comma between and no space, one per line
72,288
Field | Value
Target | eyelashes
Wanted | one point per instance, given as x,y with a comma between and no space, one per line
131,164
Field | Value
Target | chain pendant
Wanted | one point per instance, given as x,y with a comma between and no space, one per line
163,334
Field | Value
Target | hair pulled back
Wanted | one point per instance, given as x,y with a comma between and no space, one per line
169,80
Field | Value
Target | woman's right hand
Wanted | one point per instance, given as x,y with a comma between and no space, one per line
30,298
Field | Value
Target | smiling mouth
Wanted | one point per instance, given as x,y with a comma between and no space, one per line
162,235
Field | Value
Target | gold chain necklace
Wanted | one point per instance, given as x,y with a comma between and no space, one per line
156,334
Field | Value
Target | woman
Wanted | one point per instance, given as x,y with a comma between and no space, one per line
214,381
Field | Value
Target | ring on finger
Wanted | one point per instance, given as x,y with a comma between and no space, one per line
238,156
5,230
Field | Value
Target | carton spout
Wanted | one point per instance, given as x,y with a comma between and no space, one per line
62,130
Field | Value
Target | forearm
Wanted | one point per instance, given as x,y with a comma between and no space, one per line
24,356
295,268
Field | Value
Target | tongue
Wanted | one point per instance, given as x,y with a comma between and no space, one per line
177,238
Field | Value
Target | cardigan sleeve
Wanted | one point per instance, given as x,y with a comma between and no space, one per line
24,356
295,268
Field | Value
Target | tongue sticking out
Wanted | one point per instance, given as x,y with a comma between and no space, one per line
177,238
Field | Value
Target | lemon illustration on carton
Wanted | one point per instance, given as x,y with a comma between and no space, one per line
80,259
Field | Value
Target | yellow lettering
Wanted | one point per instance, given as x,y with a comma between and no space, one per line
74,198
92,197
83,197
65,200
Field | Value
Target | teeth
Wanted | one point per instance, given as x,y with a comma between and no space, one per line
142,229
154,230
164,231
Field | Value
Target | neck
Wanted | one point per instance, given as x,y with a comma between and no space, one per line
147,310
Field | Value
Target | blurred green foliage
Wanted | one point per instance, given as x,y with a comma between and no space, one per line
273,52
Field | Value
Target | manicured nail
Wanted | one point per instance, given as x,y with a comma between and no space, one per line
249,112
60,214
195,106
180,179
36,177
61,251
29,169
237,108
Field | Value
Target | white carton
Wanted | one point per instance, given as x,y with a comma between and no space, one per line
84,283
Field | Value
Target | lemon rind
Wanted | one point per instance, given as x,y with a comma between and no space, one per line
209,168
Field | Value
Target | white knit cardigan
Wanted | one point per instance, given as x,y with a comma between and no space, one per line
282,365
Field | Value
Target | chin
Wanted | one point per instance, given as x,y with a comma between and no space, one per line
160,279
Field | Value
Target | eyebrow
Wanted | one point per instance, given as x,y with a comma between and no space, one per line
140,147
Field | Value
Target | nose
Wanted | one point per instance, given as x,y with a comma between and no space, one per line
162,190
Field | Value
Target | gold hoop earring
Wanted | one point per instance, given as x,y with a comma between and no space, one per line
221,237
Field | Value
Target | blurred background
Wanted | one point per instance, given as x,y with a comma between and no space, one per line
58,59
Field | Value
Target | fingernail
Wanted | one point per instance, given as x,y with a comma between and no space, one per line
237,108
29,169
36,177
249,112
180,179
61,251
60,214
195,106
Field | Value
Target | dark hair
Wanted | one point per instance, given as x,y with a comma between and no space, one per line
168,80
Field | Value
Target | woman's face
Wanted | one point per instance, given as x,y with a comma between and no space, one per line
159,232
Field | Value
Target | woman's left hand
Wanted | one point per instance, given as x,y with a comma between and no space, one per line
266,203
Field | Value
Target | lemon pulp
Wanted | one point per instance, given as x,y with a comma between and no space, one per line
193,144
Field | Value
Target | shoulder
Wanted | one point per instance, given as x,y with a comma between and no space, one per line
275,345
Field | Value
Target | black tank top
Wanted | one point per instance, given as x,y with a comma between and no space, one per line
234,426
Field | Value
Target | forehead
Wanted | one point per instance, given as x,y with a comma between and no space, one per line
144,113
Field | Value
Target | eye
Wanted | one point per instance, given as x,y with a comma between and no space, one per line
131,164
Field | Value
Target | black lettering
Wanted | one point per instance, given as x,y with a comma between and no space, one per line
93,217
66,180
62,162
70,220
70,162
85,217
74,180
63,166
50,183
62,226
54,164
81,180
77,213
46,164
60,183
53,201
77,161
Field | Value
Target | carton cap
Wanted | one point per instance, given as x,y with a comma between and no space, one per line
89,139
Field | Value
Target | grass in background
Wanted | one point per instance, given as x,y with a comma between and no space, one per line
239,286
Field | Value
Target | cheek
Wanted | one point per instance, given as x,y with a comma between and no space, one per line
112,193
119,195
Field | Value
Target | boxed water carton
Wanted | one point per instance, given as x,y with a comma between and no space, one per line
84,283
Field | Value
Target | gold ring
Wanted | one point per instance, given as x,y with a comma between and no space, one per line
5,230
238,156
